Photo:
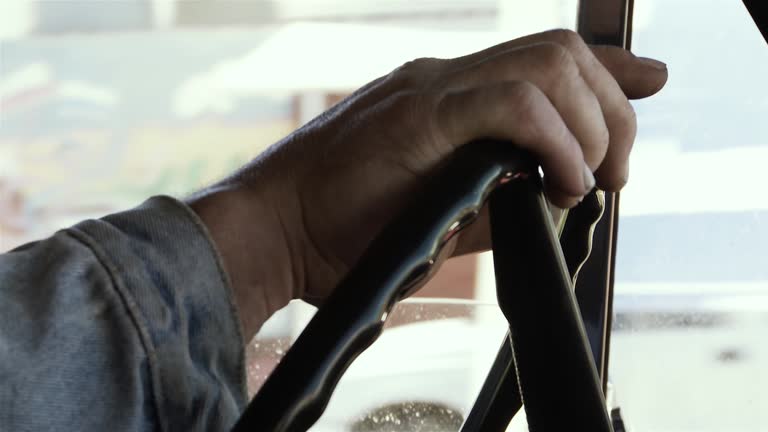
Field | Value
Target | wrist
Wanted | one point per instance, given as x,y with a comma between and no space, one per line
248,231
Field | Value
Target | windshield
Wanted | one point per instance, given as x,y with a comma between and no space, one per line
688,349
422,374
102,106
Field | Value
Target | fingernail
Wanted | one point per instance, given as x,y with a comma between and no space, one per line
652,63
589,178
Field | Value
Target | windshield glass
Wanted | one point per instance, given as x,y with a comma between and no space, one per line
688,349
104,105
422,374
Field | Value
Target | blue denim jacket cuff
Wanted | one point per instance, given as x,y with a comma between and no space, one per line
168,273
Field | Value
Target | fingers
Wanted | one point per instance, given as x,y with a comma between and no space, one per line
635,77
584,91
520,112
611,74
638,77
553,69
563,37
618,114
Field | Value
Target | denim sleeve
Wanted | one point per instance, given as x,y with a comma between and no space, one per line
120,324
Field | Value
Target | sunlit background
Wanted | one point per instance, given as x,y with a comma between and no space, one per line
105,103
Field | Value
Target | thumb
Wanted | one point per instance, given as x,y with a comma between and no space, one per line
638,77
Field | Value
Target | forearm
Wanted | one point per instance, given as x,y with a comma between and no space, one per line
248,230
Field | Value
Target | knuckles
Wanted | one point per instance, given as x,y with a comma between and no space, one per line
629,116
624,124
567,38
553,54
418,87
415,73
420,64
555,60
521,94
519,100
602,141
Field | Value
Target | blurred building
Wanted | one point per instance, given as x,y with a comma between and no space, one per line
444,14
92,16
103,100
218,13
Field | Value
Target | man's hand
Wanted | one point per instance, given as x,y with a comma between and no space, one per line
294,221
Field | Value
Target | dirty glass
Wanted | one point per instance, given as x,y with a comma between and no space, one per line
688,347
422,374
